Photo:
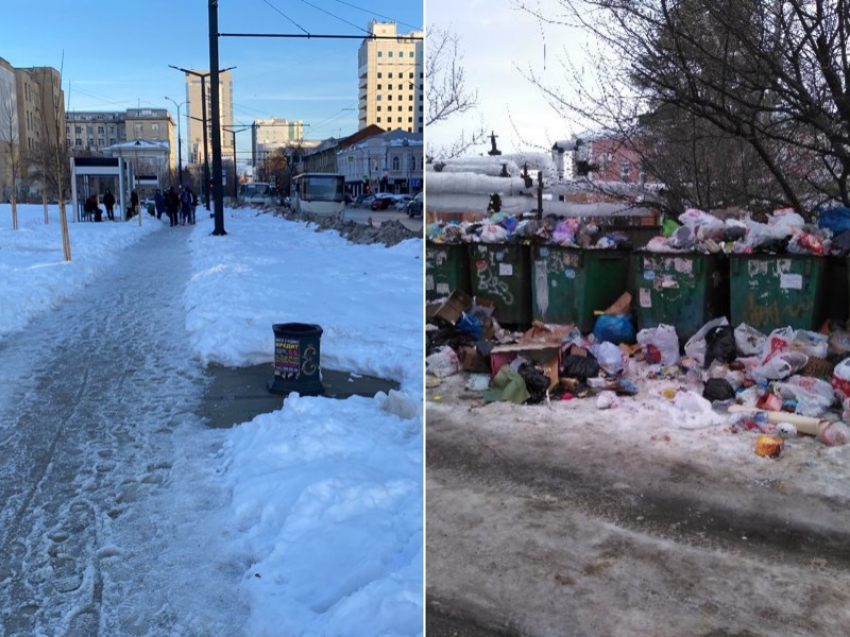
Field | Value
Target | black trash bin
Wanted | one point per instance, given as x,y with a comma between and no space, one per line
297,365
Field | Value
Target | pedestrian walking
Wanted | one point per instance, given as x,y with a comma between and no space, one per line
159,203
185,206
134,203
172,205
193,205
109,202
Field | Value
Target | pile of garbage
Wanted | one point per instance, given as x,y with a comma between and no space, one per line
777,385
785,232
552,230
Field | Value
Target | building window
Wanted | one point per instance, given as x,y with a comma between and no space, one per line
379,108
379,119
155,128
399,120
390,53
399,107
411,54
625,168
380,75
390,96
412,163
78,143
378,97
77,129
410,119
396,163
380,54
410,76
100,130
380,87
390,76
410,108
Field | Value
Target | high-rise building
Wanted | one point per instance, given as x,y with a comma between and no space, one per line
391,79
194,115
267,135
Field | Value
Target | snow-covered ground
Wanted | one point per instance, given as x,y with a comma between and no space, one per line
326,496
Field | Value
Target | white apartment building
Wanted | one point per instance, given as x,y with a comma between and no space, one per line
195,114
391,79
267,135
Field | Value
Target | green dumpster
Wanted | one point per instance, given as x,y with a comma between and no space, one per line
502,273
446,269
569,284
685,290
769,291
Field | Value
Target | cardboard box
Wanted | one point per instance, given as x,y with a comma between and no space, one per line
472,361
547,356
454,307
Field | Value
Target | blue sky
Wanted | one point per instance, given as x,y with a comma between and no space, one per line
117,52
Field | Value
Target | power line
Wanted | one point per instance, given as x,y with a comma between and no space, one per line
310,4
285,16
370,12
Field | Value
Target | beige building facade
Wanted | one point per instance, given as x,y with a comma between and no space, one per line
32,113
391,79
195,114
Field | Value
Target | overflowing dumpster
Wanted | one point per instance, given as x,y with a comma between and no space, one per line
570,284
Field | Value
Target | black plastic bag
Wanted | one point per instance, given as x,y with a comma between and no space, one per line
580,367
718,389
720,345
536,382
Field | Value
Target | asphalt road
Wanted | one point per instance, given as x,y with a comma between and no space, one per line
527,536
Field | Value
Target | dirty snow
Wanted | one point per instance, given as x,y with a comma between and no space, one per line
316,509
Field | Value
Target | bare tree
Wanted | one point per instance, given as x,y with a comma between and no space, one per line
772,76
447,93
10,145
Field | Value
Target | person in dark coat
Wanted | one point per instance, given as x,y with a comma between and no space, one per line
109,202
185,206
134,203
159,203
90,207
172,205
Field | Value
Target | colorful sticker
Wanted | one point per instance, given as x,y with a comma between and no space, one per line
429,282
506,269
544,252
649,275
645,297
570,273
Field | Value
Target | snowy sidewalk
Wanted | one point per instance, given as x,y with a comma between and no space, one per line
108,520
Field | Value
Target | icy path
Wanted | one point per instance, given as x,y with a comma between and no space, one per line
107,523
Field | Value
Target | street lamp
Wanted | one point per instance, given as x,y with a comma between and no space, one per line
179,139
233,132
138,208
203,77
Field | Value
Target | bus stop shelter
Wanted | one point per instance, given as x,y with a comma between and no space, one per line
96,175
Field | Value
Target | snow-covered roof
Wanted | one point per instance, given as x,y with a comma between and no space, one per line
138,144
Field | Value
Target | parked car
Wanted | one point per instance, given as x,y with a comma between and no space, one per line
414,206
382,202
401,202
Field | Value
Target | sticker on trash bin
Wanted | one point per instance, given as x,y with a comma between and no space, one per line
544,252
506,269
443,288
500,256
649,275
791,281
685,266
287,357
429,282
645,297
570,273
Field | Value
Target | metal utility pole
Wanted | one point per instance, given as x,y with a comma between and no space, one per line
216,132
179,140
233,131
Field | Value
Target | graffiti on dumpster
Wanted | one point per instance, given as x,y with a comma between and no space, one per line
492,286
309,367
764,312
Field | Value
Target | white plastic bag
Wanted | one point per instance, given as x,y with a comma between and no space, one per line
664,339
778,341
609,357
779,366
810,343
493,234
696,345
841,379
813,396
442,363
748,340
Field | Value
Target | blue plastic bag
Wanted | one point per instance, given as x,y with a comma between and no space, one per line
469,324
836,219
614,328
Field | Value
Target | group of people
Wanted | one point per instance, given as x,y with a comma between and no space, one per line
180,207
91,207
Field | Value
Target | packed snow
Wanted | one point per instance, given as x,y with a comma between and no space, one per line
325,497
